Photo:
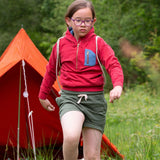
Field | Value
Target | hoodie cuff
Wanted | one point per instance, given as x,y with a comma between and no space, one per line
42,95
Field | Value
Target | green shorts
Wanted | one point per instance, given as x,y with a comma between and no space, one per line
92,104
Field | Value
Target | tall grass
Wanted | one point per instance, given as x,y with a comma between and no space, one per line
133,124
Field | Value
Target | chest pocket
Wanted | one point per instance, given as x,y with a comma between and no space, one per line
90,58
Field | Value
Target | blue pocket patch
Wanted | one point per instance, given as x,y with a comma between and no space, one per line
90,58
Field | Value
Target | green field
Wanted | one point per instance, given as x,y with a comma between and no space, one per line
133,124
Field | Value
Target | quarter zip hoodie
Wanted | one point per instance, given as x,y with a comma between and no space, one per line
80,70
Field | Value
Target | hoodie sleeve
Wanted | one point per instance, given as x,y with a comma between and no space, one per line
110,62
50,75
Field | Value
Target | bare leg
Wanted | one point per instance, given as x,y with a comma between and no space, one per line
91,143
72,126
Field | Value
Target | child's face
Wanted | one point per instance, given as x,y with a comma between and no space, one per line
84,16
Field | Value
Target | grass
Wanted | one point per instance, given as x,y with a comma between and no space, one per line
133,124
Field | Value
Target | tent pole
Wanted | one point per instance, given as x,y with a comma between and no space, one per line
19,107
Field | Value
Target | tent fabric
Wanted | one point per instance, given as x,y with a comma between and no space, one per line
47,128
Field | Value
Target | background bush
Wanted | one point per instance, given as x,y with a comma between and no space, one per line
136,22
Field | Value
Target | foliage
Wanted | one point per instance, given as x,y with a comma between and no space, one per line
132,20
53,23
149,61
17,14
116,19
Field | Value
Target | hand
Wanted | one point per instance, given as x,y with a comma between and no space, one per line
46,104
115,93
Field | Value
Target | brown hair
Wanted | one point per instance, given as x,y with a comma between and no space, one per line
79,4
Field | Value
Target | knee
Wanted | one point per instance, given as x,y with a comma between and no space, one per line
72,140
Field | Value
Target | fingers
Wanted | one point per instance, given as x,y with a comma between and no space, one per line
47,105
50,107
115,93
113,96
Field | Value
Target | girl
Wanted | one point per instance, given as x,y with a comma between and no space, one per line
82,106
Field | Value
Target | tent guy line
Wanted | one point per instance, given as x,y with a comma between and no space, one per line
30,117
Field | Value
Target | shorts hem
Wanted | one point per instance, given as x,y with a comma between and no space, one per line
66,111
89,125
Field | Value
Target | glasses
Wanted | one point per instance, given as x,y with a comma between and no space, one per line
78,22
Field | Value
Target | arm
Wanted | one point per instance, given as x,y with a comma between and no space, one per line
113,68
48,81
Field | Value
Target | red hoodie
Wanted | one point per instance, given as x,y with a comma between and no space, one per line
80,70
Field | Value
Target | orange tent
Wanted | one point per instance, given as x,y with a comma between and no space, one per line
22,67
47,128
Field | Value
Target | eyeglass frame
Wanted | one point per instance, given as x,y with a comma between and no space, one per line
82,21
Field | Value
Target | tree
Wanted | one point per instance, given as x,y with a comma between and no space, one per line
131,20
17,14
53,23
43,20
